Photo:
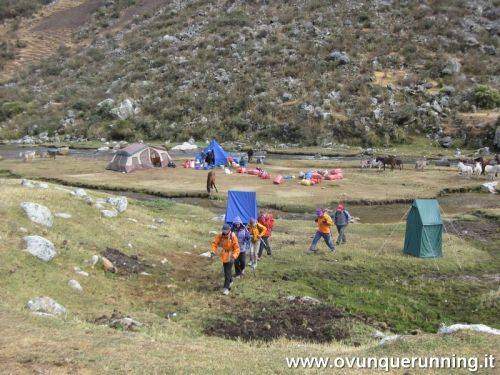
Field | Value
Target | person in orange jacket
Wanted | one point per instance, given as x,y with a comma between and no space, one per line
324,231
228,252
257,231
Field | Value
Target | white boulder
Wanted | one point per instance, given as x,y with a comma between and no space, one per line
40,247
45,306
109,213
126,109
37,213
75,285
120,203
79,192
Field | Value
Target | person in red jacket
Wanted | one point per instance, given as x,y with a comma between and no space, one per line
266,220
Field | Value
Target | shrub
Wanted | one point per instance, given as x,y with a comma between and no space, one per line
486,97
10,109
122,131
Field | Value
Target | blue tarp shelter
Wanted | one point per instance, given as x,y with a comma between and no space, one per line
242,204
424,229
219,153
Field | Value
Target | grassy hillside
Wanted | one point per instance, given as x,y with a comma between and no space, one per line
365,73
362,288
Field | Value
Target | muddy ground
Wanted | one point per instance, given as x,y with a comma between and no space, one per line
292,319
485,231
125,264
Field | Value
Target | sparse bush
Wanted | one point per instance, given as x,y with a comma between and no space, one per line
10,109
122,130
486,97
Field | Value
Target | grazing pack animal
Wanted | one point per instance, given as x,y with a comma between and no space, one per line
478,169
492,171
211,182
391,160
366,164
464,170
28,156
421,164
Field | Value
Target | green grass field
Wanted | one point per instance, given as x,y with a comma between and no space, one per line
376,288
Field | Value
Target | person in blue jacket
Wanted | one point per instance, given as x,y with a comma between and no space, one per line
341,219
243,236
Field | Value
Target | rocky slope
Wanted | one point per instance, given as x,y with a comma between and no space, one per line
309,72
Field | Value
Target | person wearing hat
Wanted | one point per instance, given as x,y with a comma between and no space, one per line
228,252
257,231
267,220
341,219
325,223
243,237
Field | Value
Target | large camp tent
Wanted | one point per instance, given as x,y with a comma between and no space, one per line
138,156
219,153
242,204
424,229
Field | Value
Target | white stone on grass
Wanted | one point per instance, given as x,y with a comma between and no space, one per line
45,306
75,285
37,213
40,247
120,203
109,213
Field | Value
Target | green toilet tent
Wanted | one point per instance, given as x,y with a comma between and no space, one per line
424,229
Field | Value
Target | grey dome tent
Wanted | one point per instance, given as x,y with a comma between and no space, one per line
138,156
424,229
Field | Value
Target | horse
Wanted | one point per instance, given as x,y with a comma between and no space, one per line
464,170
421,164
390,160
211,183
28,156
492,171
478,169
366,164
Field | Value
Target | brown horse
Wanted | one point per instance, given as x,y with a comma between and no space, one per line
211,182
391,160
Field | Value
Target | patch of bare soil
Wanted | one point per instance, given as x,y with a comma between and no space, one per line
124,263
478,230
70,18
293,319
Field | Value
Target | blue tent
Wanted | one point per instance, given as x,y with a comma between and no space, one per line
242,204
220,154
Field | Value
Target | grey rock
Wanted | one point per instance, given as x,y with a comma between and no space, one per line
79,271
452,67
75,285
341,57
126,109
79,192
445,142
109,213
120,203
126,323
286,96
37,213
45,305
40,247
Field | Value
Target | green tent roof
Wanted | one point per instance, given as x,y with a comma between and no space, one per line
428,210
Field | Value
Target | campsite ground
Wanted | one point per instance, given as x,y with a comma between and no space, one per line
367,285
362,186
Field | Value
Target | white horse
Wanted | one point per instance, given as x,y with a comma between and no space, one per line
464,170
478,169
28,156
492,171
